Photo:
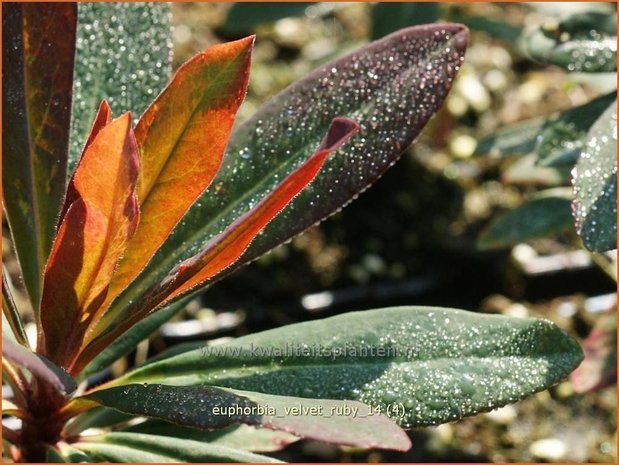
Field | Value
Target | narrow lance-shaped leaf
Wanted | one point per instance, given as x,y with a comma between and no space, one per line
205,407
10,312
144,448
128,341
388,17
583,42
420,365
556,139
37,72
547,213
39,366
224,249
246,17
182,137
563,138
64,453
124,55
90,240
391,88
595,185
245,437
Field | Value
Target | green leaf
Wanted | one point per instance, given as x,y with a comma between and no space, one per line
99,417
525,172
206,407
583,42
135,447
562,138
595,185
10,312
130,339
492,27
547,213
515,139
556,139
37,70
389,17
67,454
175,350
123,55
243,437
245,17
420,365
391,87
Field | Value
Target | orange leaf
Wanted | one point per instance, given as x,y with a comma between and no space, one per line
91,238
102,119
224,249
182,138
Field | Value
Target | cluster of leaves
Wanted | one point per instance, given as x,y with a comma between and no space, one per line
577,146
110,245
580,141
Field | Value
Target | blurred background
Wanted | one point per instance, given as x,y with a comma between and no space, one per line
414,237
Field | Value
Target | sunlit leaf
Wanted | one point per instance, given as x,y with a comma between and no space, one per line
139,448
556,139
90,240
245,17
208,407
547,213
595,185
37,71
39,366
562,139
243,437
516,139
493,26
225,248
10,312
128,341
99,417
420,365
525,172
391,88
64,453
182,137
123,55
583,42
391,16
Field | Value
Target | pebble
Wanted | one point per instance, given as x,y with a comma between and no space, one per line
549,449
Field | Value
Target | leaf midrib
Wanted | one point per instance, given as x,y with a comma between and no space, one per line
258,369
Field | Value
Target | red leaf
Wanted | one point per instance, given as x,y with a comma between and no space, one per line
102,119
91,238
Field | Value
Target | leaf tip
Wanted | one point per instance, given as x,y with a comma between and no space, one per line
461,38
340,130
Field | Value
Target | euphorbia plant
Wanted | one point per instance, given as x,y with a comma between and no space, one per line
155,213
